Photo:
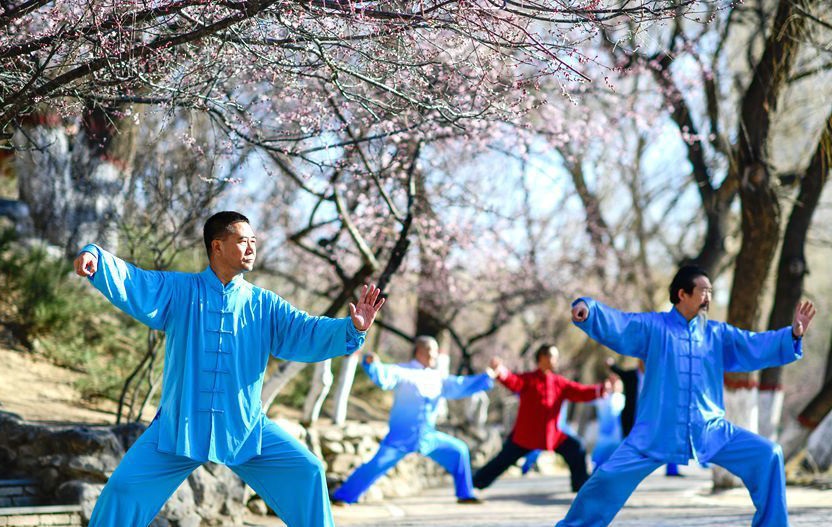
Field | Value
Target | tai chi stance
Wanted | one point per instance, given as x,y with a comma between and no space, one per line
418,386
220,331
542,393
680,413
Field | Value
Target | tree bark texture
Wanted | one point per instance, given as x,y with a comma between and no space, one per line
761,211
791,272
73,183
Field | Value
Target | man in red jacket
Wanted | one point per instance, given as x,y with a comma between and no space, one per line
541,392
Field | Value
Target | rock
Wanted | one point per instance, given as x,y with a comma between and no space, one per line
49,479
7,456
258,506
358,430
81,493
192,520
72,463
332,447
313,442
333,435
366,447
217,492
344,463
333,481
295,430
378,491
180,505
93,467
127,434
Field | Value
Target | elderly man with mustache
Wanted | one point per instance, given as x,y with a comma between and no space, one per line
680,413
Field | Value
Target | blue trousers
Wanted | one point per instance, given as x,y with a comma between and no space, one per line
286,475
450,452
755,460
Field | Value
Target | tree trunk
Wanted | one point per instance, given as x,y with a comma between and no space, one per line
278,380
761,214
761,231
322,380
346,377
797,431
18,213
818,411
819,445
74,184
791,271
818,408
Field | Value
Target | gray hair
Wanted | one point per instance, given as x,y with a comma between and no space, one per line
425,342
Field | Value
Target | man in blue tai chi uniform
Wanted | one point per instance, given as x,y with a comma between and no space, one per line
419,386
220,331
680,413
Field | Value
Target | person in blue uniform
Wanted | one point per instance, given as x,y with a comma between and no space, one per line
419,387
220,331
633,380
608,412
680,414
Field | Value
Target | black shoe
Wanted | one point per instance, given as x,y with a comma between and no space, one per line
470,501
337,503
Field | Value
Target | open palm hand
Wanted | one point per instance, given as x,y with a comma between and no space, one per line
803,315
363,312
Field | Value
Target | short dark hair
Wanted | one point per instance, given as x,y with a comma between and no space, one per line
218,226
541,350
684,280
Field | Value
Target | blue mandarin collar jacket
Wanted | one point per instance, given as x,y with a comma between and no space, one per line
680,410
218,341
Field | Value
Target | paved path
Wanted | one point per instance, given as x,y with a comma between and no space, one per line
541,501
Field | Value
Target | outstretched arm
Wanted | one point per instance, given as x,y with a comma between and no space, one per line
305,338
460,386
384,376
144,295
510,380
580,393
624,333
748,351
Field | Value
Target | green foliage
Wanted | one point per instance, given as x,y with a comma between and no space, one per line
53,312
8,185
33,279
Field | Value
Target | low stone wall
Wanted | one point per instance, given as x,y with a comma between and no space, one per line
345,448
60,516
72,463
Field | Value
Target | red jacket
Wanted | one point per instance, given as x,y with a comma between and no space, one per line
541,395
